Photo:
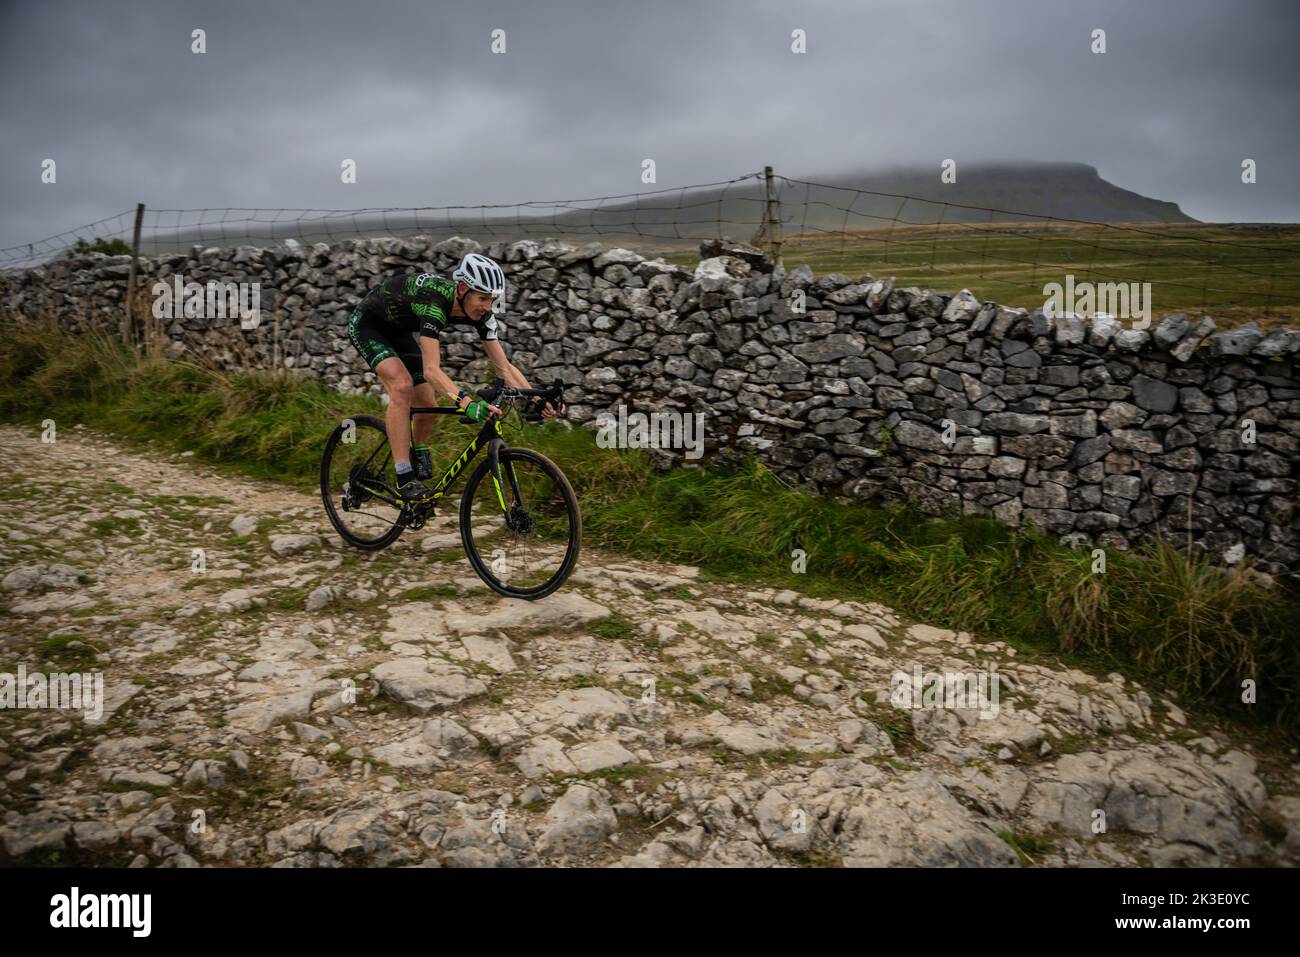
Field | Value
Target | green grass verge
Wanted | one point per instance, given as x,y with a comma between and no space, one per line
1175,623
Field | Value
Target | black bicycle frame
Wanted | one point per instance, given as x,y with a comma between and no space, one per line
489,435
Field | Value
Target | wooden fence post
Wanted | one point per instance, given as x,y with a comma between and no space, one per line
773,217
130,279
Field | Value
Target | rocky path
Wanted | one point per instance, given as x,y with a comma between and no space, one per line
288,702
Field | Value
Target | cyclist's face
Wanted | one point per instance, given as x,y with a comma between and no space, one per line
477,304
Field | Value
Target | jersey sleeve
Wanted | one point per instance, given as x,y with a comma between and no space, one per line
490,328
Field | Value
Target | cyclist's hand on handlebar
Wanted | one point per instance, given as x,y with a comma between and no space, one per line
479,410
539,409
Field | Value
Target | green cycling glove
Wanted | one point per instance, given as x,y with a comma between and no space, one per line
476,411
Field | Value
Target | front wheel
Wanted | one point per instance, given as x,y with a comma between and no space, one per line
522,537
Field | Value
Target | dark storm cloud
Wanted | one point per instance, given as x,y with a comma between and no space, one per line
708,89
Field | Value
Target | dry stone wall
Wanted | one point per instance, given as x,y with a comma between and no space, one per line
1093,431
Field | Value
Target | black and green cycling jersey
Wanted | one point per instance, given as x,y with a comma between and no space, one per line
421,303
386,322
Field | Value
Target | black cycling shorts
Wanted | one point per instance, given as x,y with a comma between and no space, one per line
376,344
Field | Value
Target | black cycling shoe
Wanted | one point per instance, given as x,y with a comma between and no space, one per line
413,490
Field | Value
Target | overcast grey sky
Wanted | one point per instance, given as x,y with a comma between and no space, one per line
586,90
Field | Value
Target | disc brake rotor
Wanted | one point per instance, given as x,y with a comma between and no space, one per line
518,520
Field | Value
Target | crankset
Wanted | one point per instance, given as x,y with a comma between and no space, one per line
415,514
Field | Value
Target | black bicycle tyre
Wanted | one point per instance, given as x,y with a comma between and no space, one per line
575,527
366,544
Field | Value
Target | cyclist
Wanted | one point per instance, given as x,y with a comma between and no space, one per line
395,328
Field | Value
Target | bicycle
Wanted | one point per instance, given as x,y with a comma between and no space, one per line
359,489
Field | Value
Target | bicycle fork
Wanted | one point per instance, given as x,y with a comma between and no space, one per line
494,465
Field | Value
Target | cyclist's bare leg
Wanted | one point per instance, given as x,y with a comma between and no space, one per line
397,383
424,395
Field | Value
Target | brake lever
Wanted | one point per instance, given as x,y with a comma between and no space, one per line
557,394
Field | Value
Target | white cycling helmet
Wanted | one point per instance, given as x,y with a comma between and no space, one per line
481,274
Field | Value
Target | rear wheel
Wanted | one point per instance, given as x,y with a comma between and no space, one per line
523,542
357,461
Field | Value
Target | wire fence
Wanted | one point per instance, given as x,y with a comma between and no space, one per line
1242,271
1009,255
671,218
